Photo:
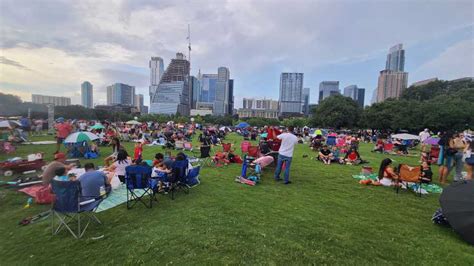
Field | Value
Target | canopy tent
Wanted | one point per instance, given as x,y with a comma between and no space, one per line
242,125
405,136
80,137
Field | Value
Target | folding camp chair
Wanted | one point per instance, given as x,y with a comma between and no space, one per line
409,174
69,208
138,177
331,141
227,147
178,179
205,157
188,146
179,145
244,146
388,147
253,151
434,154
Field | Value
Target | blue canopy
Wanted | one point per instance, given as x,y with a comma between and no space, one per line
242,125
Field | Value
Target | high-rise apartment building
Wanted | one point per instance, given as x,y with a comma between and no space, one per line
157,68
221,103
86,94
328,88
195,91
305,103
291,92
173,91
355,93
208,88
140,103
393,80
391,84
55,100
396,58
120,93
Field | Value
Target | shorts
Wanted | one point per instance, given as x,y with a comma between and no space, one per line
59,140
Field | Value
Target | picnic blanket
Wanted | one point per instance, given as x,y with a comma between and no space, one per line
430,188
116,197
31,191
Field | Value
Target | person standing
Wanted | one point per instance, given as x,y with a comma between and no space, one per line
63,129
456,147
424,135
285,153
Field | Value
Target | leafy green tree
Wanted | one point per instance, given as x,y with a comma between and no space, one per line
337,111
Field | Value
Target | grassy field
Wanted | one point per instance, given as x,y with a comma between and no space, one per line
324,216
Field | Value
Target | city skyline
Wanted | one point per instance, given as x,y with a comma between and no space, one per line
35,59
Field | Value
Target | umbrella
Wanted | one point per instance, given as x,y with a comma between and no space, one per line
133,122
9,124
242,125
431,141
457,203
405,136
80,137
97,126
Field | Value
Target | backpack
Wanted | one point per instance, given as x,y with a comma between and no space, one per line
439,219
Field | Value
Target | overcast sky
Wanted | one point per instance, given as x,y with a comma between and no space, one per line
50,47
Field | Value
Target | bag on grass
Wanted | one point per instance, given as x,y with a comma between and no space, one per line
44,195
439,219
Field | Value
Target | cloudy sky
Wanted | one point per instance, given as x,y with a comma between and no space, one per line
50,47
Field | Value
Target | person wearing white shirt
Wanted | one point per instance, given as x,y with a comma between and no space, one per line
285,153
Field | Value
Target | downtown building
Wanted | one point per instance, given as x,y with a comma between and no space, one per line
215,92
305,103
157,68
264,108
121,94
355,93
87,95
173,93
327,89
291,93
140,104
54,100
392,80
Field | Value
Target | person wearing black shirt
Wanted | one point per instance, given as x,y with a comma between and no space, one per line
325,155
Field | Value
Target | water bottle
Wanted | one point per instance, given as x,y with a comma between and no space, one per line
102,191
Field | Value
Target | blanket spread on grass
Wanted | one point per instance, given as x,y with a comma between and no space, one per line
430,188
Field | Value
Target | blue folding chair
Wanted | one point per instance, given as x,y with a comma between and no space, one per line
138,177
69,206
178,179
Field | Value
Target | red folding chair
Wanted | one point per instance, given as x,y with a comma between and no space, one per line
226,147
388,147
434,154
253,151
244,146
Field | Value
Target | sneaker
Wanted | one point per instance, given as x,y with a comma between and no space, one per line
287,182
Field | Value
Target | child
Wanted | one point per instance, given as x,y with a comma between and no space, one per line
426,173
158,159
325,155
137,154
161,172
60,175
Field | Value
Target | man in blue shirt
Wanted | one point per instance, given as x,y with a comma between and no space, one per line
94,184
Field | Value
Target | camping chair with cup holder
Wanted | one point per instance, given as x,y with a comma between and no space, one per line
139,185
178,178
408,174
69,207
388,147
227,147
205,155
434,154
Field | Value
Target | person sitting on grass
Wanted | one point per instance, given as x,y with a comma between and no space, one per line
352,156
325,155
161,172
336,155
426,173
387,175
378,146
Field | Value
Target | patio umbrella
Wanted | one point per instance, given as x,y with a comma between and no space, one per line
457,203
405,136
97,126
431,141
9,124
133,122
80,137
242,125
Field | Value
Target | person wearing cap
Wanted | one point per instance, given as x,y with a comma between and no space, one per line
63,129
50,171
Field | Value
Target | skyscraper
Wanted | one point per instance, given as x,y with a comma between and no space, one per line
86,94
208,88
391,84
328,88
173,91
231,97
195,91
393,80
396,58
140,103
355,93
306,101
157,69
120,93
221,103
291,87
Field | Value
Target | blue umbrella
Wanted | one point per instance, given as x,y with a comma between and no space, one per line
242,125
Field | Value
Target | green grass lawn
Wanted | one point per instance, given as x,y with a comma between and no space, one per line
325,216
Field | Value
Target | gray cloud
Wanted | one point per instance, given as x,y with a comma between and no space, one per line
6,61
